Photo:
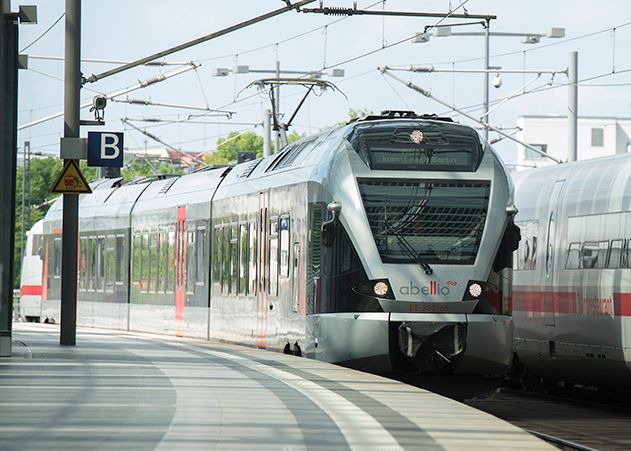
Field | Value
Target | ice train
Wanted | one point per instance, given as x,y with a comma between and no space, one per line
385,245
572,279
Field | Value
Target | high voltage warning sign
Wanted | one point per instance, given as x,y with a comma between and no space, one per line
71,181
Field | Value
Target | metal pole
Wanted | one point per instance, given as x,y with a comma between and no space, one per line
267,132
23,200
485,113
72,100
8,163
277,149
572,108
27,145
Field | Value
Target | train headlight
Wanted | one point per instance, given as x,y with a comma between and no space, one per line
380,289
376,288
475,290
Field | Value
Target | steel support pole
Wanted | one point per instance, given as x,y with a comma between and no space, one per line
72,100
278,140
485,113
267,133
8,163
572,108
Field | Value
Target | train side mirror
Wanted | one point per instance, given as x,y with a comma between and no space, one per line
329,227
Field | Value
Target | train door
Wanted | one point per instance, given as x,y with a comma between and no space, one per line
180,270
262,271
549,289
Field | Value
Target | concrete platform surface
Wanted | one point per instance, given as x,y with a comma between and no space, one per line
136,391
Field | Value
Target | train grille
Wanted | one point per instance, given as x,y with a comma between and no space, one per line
433,222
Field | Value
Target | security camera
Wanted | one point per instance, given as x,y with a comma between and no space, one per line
497,81
99,102
98,106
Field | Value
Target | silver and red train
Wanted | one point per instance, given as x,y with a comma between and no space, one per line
384,245
572,279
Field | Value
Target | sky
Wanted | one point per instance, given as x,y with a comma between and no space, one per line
116,30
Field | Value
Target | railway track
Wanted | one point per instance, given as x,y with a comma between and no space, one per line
570,420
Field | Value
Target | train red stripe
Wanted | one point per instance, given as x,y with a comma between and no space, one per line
571,303
31,290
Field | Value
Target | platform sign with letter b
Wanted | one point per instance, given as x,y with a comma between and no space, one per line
105,149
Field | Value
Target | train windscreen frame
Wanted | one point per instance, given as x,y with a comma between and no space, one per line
433,222
416,145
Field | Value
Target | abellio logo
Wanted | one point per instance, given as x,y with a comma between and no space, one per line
432,289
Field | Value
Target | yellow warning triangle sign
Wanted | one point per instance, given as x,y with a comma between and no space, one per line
71,181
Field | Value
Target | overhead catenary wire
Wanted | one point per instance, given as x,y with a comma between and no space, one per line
44,33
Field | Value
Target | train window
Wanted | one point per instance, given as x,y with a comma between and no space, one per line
273,256
38,244
144,267
120,258
573,256
110,263
163,255
83,253
253,258
589,255
190,260
57,257
201,270
171,260
615,254
243,258
100,252
91,282
284,247
216,251
603,250
234,259
151,262
225,260
417,146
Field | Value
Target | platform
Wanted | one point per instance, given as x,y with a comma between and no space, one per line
135,391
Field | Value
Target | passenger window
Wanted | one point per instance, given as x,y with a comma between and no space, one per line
190,260
201,256
615,255
171,261
83,253
603,250
120,257
589,255
110,263
225,267
163,273
153,262
573,256
144,255
253,258
216,250
234,259
243,258
284,247
273,257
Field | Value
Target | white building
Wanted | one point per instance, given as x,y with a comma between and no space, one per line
597,137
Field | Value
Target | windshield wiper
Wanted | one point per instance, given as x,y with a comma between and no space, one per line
407,247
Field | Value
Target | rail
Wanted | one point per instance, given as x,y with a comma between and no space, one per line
560,443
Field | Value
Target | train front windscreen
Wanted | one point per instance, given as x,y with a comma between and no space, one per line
417,145
435,222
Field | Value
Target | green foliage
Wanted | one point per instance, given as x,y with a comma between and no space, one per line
228,148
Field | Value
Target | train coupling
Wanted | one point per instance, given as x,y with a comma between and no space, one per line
432,347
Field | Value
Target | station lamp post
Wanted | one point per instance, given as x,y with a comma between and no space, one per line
527,38
245,69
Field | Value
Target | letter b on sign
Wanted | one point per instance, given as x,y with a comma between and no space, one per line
105,149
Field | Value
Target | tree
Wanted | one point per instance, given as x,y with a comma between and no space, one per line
228,148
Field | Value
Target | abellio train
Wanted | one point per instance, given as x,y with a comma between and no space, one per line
572,280
384,245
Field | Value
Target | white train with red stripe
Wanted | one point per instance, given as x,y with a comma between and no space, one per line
31,274
385,244
572,279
